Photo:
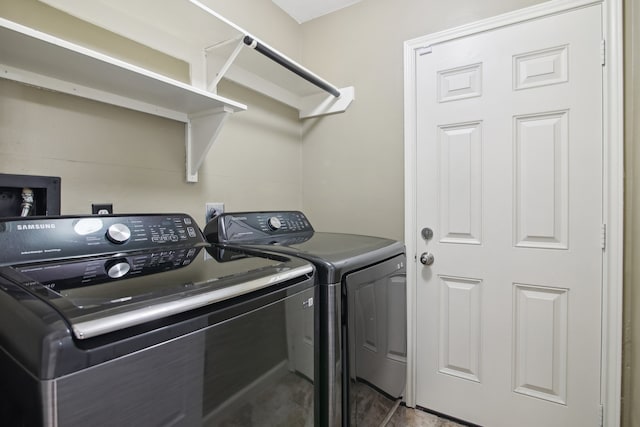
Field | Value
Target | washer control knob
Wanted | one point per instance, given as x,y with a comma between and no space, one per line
118,233
117,269
274,223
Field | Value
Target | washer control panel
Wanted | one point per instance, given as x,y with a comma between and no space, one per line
32,239
69,274
258,226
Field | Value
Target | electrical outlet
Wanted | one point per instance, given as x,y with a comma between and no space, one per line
212,210
101,208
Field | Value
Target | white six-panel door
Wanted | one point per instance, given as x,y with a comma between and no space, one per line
509,178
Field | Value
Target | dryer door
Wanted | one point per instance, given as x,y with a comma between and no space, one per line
376,339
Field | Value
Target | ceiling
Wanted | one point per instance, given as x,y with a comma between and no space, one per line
306,10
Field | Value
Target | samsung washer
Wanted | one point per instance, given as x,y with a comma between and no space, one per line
122,320
361,308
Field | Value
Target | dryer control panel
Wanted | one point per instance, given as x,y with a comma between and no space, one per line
31,239
259,227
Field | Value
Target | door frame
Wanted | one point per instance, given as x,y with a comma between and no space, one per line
613,184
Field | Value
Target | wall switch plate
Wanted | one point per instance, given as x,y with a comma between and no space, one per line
101,208
212,210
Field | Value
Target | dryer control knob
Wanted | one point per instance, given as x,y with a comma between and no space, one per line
118,233
274,223
117,269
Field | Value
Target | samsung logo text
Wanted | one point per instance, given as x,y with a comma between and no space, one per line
25,227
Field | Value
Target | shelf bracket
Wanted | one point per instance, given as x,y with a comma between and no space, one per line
212,81
323,104
202,131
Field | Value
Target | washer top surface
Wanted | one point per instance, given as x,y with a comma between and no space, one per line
333,254
336,254
159,267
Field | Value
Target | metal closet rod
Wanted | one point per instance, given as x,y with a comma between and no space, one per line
286,63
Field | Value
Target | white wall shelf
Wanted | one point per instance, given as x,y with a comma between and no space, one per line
35,58
213,47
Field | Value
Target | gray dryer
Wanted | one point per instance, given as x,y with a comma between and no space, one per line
361,312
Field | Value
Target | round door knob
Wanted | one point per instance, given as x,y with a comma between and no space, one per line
427,233
427,258
117,269
118,233
274,223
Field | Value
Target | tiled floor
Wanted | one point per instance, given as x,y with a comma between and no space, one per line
288,402
408,417
373,406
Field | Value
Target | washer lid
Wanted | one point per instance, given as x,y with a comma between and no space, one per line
102,294
334,254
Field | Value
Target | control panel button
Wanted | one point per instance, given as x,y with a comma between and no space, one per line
86,226
117,269
274,223
118,233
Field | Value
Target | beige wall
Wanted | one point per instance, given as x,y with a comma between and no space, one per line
137,161
631,358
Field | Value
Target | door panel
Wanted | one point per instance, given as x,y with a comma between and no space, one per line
540,348
541,164
460,149
459,334
509,177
